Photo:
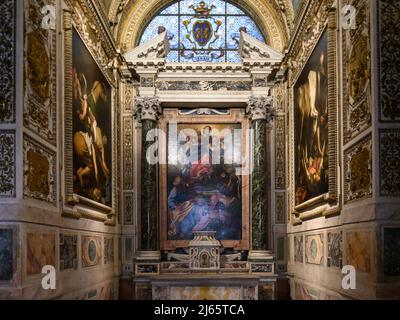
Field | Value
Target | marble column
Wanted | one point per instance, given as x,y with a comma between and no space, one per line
261,113
147,110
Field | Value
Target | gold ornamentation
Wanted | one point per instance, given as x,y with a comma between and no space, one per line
358,170
38,173
38,66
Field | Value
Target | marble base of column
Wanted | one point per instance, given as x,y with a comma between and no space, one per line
148,256
260,256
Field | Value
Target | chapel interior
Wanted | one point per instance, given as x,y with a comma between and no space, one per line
200,149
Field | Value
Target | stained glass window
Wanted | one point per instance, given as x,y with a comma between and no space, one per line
202,31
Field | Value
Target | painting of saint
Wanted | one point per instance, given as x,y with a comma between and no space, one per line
204,191
92,128
311,126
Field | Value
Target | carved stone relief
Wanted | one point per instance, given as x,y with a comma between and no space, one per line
129,98
7,163
389,153
128,208
204,85
356,74
389,60
128,124
40,73
358,171
280,152
7,61
39,172
280,207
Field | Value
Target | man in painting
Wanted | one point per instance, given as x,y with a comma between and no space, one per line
89,145
312,103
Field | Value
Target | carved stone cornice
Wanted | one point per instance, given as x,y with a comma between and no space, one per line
261,108
147,108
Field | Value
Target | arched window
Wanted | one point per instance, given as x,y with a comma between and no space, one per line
202,30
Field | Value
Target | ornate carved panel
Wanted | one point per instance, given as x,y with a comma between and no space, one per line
356,73
129,93
39,172
358,170
204,85
39,72
7,61
7,163
108,250
280,153
128,155
389,153
128,208
280,208
389,59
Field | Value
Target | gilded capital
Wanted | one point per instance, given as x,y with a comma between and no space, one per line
261,108
147,108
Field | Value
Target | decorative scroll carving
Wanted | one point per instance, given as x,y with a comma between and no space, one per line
128,152
358,171
39,172
129,98
261,108
147,108
204,85
40,73
389,60
280,207
280,153
7,163
128,208
7,61
389,153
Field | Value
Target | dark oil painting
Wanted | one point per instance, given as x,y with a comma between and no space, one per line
92,127
311,126
204,194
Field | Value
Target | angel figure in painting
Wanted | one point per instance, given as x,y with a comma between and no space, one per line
89,145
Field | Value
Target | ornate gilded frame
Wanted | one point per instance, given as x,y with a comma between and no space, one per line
234,116
307,39
76,206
